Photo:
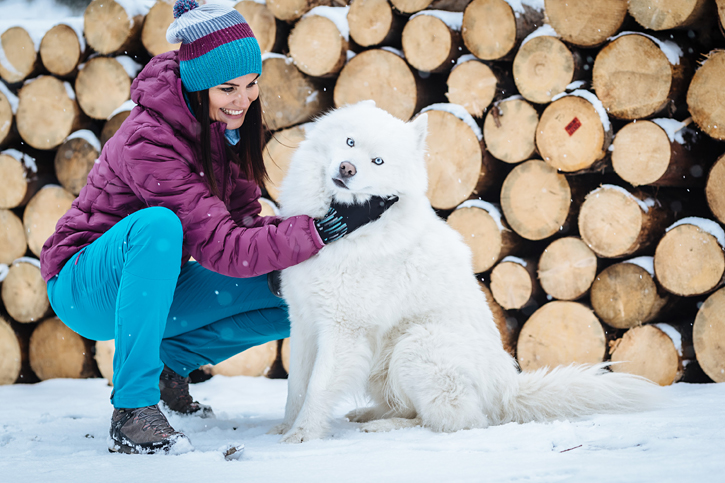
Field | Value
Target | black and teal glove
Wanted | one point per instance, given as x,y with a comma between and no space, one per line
342,219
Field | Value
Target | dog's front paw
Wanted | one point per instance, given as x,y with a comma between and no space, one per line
279,429
300,435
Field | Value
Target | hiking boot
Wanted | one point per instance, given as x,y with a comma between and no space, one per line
175,394
144,431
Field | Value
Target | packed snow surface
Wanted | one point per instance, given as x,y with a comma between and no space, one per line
56,431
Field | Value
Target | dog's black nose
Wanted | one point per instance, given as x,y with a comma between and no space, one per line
347,169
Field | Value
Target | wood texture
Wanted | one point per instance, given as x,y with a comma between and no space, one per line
60,50
586,23
510,130
703,95
543,67
25,294
21,59
567,268
649,352
102,86
58,352
157,21
708,335
430,45
317,46
473,85
42,213
108,28
12,237
715,189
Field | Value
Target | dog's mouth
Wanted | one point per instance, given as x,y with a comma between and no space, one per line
340,183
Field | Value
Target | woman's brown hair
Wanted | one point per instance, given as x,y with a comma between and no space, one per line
248,151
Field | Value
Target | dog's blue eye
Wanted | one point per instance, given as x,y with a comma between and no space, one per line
350,142
378,161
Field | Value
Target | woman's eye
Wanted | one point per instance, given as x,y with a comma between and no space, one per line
378,161
350,142
253,84
228,90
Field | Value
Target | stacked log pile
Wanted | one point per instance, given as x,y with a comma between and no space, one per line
575,145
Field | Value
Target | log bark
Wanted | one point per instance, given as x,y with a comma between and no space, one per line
689,261
20,58
474,85
572,136
648,351
704,93
74,160
567,268
21,176
430,45
317,46
616,223
103,355
253,362
561,333
109,29
113,125
670,14
61,50
708,334
12,237
485,233
8,132
157,21
42,213
543,67
634,78
58,352
372,22
625,295
536,200
458,164
715,189
643,154
47,112
25,293
513,283
277,156
102,86
492,30
384,77
510,130
288,96
11,356
292,10
413,6
270,36
586,23
507,326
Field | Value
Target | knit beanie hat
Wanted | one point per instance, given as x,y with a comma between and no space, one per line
217,44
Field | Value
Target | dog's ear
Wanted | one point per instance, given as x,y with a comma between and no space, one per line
420,129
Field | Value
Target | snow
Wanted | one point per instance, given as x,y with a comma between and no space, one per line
673,334
518,5
576,85
453,20
126,106
33,261
349,55
6,63
518,260
273,55
88,136
593,100
674,129
458,111
56,431
134,8
12,98
672,51
545,30
645,262
490,208
338,16
515,97
465,58
69,90
28,161
271,205
4,269
643,204
708,226
131,67
397,52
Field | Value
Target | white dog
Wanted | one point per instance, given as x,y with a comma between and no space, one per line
395,308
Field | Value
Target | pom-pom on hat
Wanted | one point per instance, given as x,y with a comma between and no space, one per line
217,44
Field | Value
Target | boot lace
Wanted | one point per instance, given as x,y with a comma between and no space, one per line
155,419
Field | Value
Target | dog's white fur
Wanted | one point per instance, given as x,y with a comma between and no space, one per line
395,308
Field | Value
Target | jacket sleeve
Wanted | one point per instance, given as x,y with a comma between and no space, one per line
159,176
244,205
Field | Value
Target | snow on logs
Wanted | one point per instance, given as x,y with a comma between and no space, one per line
153,32
19,55
104,84
318,43
372,22
113,26
75,158
63,47
432,40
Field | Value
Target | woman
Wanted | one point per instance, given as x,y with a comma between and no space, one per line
181,178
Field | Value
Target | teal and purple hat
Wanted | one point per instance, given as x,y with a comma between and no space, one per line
217,44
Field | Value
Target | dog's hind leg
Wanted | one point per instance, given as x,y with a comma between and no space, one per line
390,424
342,363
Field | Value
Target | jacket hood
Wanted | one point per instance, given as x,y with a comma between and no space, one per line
158,88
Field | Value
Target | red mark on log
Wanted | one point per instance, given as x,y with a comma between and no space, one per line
573,126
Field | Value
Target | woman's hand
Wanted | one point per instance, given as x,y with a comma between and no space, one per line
342,219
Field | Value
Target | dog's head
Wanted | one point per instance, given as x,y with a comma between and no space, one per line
353,153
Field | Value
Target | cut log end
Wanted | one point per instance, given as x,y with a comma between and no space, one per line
102,86
104,358
648,352
25,293
489,28
12,237
567,268
73,161
60,50
480,231
561,333
278,155
507,326
595,20
715,189
708,336
641,153
668,14
511,285
19,55
472,85
14,176
112,125
429,44
510,130
370,21
108,28
10,354
157,21
317,47
704,94
58,352
542,68
42,214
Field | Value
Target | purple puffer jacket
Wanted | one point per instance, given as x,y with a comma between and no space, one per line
152,161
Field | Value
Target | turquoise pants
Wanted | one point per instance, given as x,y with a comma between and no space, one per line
128,285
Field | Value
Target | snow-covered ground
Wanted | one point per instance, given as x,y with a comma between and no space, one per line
55,431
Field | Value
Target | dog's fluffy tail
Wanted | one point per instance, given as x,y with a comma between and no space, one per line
578,390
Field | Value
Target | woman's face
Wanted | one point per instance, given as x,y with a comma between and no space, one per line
228,102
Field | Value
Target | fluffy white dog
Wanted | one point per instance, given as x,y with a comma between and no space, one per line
395,308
